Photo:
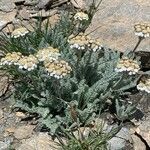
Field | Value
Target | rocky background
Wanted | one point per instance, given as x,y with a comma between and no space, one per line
113,22
16,13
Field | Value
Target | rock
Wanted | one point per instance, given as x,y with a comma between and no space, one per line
3,84
42,141
115,23
1,113
8,29
3,146
7,18
78,3
24,14
144,130
137,143
51,20
23,132
20,114
44,13
27,24
7,5
19,1
3,24
44,3
31,2
10,16
8,140
10,130
119,141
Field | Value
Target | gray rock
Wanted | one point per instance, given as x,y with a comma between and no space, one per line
1,113
24,14
31,2
44,3
3,146
144,130
2,24
23,132
6,18
7,5
3,84
44,13
8,29
115,23
137,143
42,141
78,3
119,141
19,1
52,19
8,140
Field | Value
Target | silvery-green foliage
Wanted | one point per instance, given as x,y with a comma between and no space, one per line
91,82
124,112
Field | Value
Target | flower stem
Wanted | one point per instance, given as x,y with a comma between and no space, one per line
138,43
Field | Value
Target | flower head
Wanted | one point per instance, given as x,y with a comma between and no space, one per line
128,65
81,16
57,68
142,30
11,58
81,42
19,32
49,53
95,45
144,84
28,62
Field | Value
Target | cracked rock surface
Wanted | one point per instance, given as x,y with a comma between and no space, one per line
115,22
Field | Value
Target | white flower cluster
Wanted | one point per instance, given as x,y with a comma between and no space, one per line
81,16
95,45
82,42
16,58
19,32
79,42
49,56
28,62
57,68
11,58
129,65
144,84
142,30
49,53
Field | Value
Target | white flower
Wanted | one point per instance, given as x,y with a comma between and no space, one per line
81,16
28,62
49,53
57,68
128,65
144,84
83,42
142,30
11,58
19,32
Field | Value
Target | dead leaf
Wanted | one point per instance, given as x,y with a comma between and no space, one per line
78,3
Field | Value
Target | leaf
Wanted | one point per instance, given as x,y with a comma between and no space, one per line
78,3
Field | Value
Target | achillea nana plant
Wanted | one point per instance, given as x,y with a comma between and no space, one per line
53,69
